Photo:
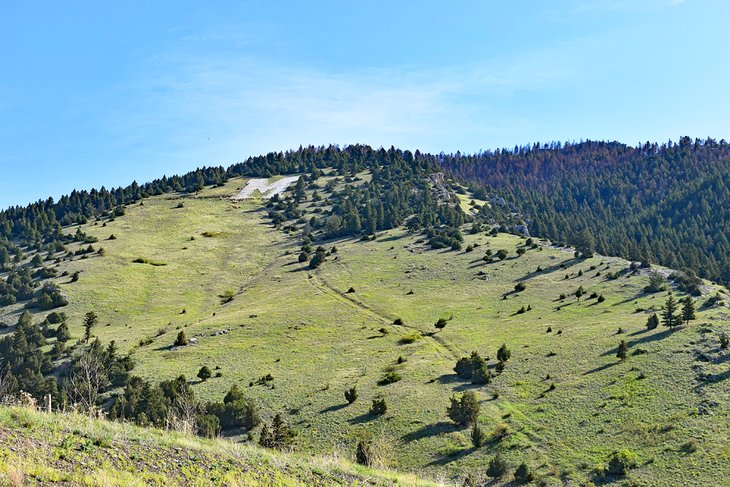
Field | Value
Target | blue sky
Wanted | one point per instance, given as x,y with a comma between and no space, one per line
102,93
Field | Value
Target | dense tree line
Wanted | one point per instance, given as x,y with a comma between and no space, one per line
666,203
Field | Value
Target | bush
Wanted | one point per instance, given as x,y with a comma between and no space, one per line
520,286
523,474
351,395
378,406
503,354
497,467
209,426
652,322
317,260
389,378
621,462
398,322
724,340
303,257
440,324
464,410
364,454
181,339
204,373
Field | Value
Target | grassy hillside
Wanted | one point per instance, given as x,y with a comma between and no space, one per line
563,404
69,449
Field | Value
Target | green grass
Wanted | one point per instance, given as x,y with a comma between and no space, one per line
70,449
316,340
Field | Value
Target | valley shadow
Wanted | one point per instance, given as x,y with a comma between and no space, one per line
333,409
429,430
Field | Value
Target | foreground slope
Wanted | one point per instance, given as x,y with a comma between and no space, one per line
218,270
69,449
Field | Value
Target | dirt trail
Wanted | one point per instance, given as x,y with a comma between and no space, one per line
320,283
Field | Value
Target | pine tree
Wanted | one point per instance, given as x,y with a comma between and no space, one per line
266,439
90,320
622,349
669,316
283,435
688,310
477,436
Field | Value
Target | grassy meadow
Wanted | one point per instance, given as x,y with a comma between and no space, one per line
563,404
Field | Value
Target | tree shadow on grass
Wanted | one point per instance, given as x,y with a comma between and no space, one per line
601,368
446,459
638,341
429,430
636,296
334,408
553,268
363,418
391,238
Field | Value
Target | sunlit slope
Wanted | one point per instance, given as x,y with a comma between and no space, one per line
564,398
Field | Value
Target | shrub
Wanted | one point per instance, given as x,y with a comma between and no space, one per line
440,324
378,406
317,260
652,322
389,378
523,474
204,373
724,340
497,467
364,454
621,462
464,410
351,395
520,286
398,322
303,257
181,339
503,354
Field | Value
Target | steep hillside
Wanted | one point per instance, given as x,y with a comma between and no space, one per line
665,203
294,337
69,449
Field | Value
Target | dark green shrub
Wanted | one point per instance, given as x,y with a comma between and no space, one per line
378,406
464,410
351,395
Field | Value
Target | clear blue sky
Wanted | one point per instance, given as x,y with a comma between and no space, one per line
101,93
